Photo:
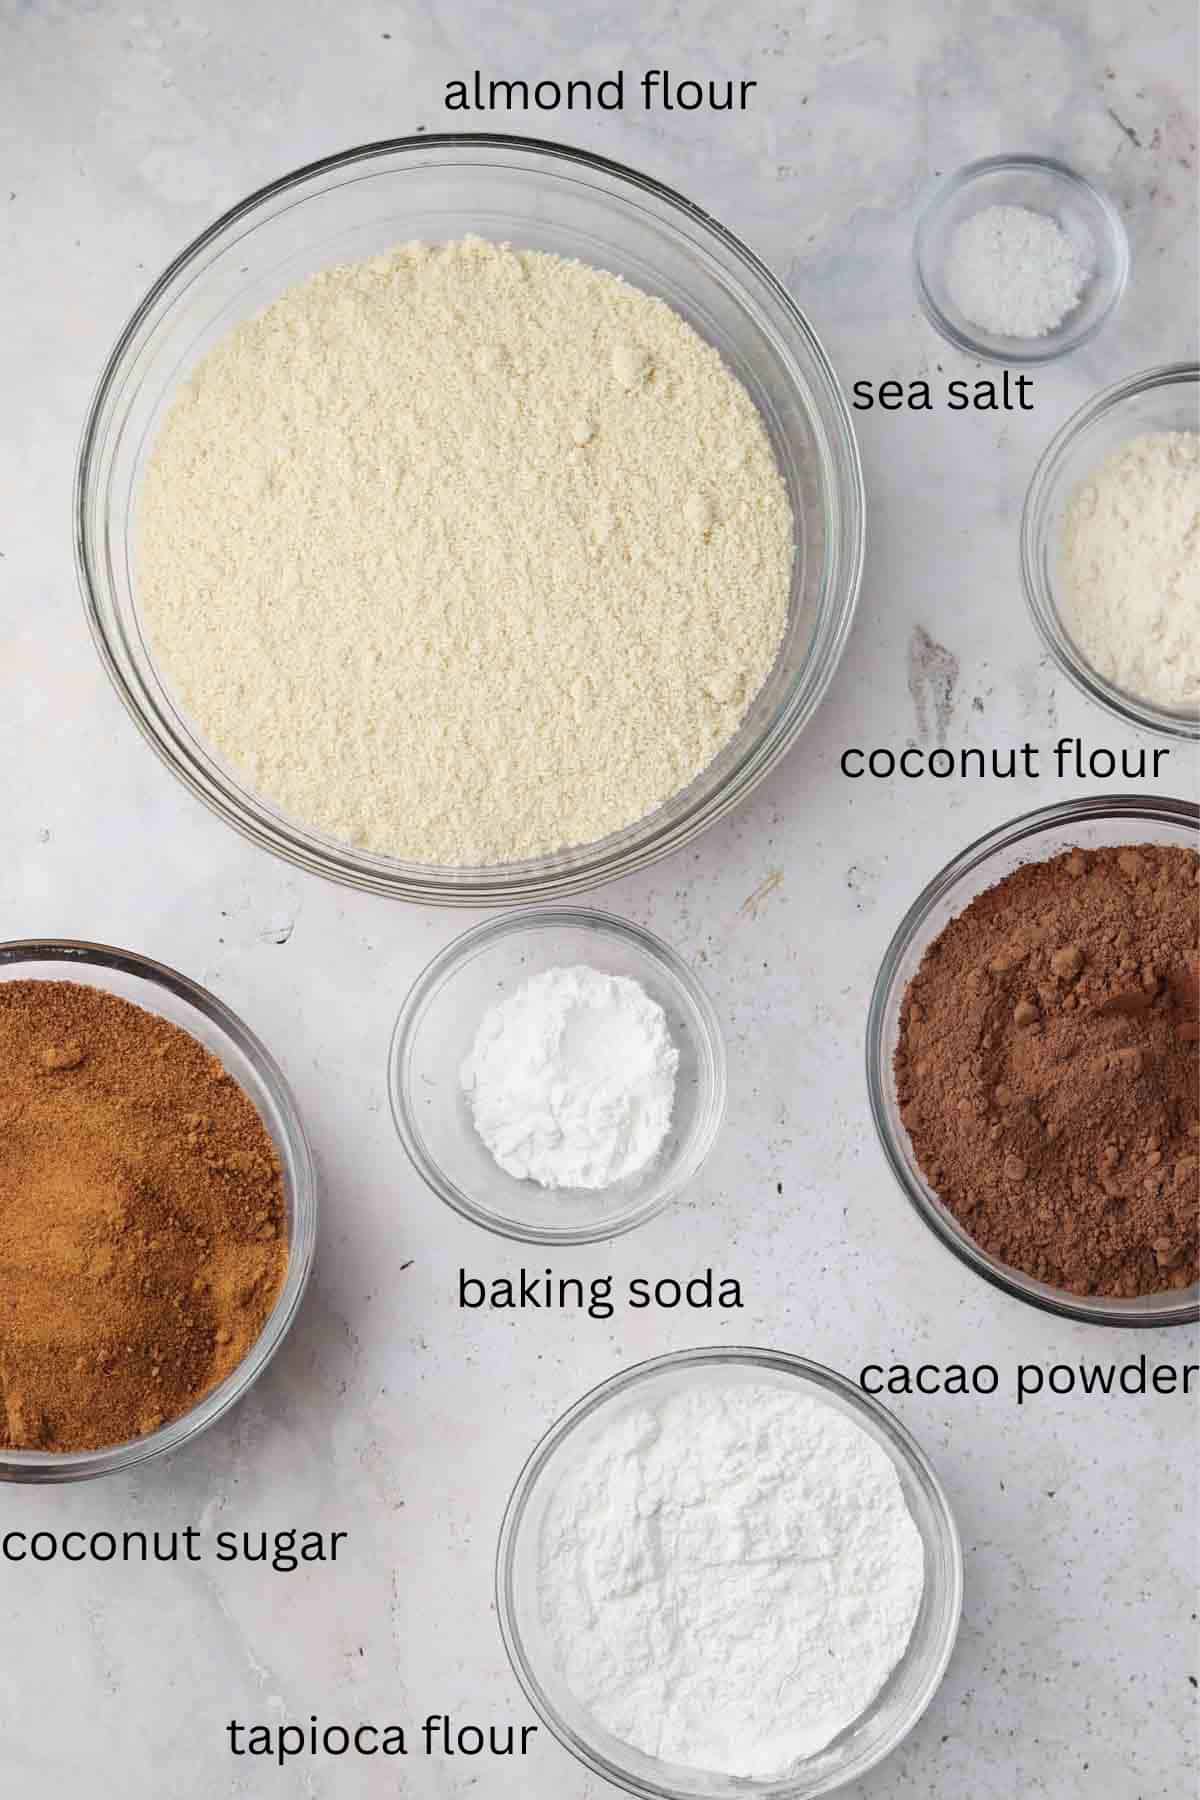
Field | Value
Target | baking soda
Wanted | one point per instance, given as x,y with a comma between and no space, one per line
571,1079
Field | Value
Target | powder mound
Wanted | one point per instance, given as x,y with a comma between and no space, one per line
143,1231
571,1079
1131,568
464,554
1014,272
1047,1069
729,1576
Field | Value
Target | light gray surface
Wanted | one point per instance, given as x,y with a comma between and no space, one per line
125,130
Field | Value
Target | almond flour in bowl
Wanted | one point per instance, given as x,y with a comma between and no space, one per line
465,554
442,189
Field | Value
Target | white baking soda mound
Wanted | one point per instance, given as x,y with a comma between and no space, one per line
571,1079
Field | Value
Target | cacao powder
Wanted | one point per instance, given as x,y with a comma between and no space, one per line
143,1228
1047,1069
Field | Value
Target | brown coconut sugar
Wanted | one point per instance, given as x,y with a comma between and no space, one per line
143,1232
1047,1069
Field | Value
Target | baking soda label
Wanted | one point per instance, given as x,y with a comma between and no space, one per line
541,1290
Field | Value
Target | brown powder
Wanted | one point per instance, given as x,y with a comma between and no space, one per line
143,1231
1047,1069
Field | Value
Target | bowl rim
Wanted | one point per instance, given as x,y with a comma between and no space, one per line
1039,592
1105,1310
53,1467
524,882
446,964
1023,350
903,1448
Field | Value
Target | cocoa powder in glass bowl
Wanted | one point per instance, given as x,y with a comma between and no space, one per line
1047,1070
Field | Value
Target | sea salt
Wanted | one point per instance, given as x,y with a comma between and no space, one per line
1015,273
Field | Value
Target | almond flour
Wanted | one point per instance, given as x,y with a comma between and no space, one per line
465,554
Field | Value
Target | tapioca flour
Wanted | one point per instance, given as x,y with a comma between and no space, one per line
729,1576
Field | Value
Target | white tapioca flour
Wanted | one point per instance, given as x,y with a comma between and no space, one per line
571,1079
464,554
1131,568
729,1576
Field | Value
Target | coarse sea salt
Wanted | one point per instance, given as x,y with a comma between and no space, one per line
1014,272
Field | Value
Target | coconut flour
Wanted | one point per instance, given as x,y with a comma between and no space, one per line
1131,562
729,1576
464,554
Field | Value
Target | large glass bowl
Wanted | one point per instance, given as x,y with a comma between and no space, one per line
172,996
539,196
903,1697
1162,399
1035,837
434,1035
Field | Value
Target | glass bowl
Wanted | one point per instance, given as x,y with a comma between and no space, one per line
902,1699
172,996
1042,185
435,1032
1163,399
540,196
1035,837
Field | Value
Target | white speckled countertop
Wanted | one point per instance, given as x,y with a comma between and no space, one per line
389,1413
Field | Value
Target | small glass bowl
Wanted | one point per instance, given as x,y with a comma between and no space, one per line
903,1698
1043,186
438,187
1162,399
435,1032
1035,837
172,996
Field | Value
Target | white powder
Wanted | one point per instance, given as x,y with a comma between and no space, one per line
1014,272
1131,568
729,1576
464,554
571,1080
